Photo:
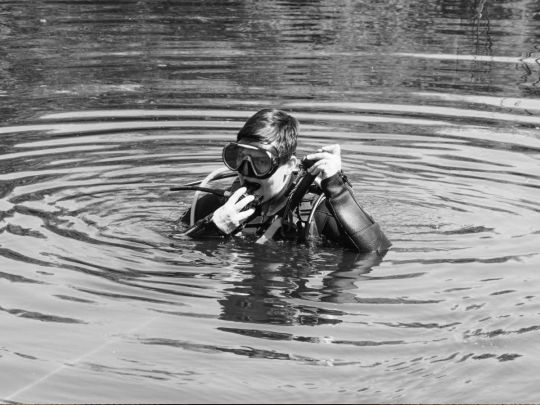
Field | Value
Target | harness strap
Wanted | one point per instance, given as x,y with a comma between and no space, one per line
271,231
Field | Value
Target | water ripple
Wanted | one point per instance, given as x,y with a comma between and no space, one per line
87,213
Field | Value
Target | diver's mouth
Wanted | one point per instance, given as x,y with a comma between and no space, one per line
251,186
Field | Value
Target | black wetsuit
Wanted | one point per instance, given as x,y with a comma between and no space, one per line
338,218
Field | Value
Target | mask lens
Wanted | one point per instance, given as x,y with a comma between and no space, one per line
232,156
260,160
262,163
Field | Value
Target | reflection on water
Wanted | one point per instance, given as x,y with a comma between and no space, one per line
106,105
61,55
261,294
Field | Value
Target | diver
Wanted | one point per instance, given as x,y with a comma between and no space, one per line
271,199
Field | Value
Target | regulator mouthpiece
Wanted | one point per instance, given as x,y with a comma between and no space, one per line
251,187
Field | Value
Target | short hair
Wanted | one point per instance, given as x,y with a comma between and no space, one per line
272,126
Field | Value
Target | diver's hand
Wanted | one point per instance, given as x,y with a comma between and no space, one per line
328,161
229,216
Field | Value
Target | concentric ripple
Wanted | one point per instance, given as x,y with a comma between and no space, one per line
88,219
107,104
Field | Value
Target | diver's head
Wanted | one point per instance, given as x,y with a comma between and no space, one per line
272,127
264,152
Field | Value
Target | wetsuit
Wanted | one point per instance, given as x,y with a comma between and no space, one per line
337,218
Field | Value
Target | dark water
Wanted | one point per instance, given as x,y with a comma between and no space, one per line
105,105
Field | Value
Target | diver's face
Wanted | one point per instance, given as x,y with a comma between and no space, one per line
270,187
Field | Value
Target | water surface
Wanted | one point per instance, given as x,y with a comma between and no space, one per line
106,105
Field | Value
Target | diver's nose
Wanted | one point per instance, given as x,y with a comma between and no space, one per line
245,169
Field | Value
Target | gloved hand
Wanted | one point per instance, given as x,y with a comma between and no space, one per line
327,161
229,216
